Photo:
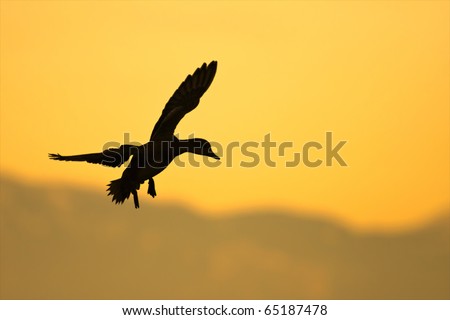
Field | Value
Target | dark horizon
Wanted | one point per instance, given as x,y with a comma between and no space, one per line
68,243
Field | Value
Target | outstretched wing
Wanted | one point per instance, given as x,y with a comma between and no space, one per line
113,157
184,100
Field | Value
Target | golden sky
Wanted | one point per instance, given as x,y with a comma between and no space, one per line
75,75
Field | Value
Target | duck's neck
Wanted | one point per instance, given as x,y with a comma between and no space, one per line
190,145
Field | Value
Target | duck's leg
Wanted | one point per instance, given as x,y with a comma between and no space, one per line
151,187
135,198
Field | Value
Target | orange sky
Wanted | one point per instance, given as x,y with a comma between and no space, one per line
75,75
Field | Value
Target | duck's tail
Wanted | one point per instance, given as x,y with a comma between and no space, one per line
120,190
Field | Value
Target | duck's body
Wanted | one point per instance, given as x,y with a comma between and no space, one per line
150,159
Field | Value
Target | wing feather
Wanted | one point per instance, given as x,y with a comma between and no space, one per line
112,157
184,100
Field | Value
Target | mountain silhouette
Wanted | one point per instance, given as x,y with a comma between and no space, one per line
66,243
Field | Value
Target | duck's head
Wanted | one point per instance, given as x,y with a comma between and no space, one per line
203,147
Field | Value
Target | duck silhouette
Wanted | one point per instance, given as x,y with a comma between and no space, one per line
150,159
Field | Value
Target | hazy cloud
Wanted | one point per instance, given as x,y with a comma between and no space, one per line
67,243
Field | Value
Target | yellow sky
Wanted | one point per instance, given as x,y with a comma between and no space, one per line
75,75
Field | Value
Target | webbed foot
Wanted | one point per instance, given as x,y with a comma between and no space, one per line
151,187
135,198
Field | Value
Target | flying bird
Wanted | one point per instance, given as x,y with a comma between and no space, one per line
150,159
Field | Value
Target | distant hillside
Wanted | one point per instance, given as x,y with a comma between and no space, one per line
64,243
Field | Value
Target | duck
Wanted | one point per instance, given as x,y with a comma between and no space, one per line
151,158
